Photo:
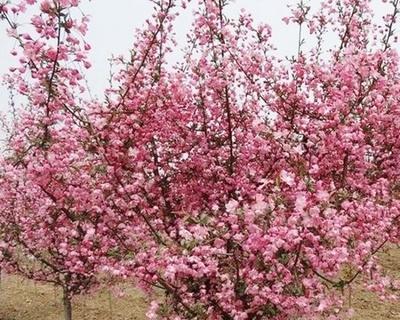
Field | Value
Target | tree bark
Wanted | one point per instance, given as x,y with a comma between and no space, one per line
67,305
110,305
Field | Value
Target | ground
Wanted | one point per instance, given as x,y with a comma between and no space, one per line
367,305
23,300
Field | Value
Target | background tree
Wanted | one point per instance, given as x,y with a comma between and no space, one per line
48,221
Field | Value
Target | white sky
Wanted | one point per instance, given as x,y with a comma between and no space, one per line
111,31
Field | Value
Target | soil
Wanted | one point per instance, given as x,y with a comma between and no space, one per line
23,300
367,305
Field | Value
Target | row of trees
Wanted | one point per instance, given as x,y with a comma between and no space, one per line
243,185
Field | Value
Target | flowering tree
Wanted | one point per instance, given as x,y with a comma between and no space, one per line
243,185
255,184
48,224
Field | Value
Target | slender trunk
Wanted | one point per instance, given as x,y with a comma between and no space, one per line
110,305
67,305
55,296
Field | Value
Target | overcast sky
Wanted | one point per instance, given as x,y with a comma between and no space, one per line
112,31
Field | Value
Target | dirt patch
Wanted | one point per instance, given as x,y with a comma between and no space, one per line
367,305
24,300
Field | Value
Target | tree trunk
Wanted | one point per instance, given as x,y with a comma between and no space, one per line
67,305
110,305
